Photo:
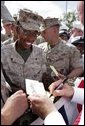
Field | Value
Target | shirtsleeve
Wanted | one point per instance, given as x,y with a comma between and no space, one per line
78,96
54,118
75,58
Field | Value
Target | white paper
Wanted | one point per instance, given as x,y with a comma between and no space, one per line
33,86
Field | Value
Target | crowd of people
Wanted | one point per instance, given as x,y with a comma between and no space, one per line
29,46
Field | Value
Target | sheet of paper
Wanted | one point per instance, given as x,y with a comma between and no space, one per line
33,86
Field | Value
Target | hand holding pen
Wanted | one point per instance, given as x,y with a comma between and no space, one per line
65,90
58,87
57,75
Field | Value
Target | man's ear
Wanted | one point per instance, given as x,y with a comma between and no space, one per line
56,28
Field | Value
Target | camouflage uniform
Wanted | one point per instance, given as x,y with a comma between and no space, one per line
64,57
2,37
14,67
9,41
17,70
5,37
4,90
39,40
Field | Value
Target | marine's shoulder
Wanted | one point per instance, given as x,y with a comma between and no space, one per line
68,46
8,41
7,47
36,48
42,45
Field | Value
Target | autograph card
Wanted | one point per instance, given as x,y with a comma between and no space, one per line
33,86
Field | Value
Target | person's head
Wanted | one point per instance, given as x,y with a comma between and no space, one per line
50,29
80,10
7,25
79,43
28,27
77,32
7,18
63,32
14,31
64,35
15,17
77,29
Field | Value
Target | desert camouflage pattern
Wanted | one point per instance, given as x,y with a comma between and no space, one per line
5,37
17,70
4,90
29,20
8,41
49,22
64,57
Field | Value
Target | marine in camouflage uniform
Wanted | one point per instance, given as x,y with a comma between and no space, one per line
7,17
64,57
19,64
7,25
16,70
13,38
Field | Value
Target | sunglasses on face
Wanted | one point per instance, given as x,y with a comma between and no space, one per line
28,32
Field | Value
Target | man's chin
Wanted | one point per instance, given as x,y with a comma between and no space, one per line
27,45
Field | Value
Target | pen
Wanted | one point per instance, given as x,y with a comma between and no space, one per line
60,85
55,71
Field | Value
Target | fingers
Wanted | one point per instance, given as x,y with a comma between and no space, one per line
19,92
59,92
54,85
33,98
61,76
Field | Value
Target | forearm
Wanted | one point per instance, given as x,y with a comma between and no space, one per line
5,120
6,116
75,73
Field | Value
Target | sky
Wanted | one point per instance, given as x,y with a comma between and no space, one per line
44,8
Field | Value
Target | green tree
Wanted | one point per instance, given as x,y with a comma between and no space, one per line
68,18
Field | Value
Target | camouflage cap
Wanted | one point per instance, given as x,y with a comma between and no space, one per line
5,22
29,20
49,22
5,14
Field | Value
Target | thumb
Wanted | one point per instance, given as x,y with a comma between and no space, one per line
58,93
